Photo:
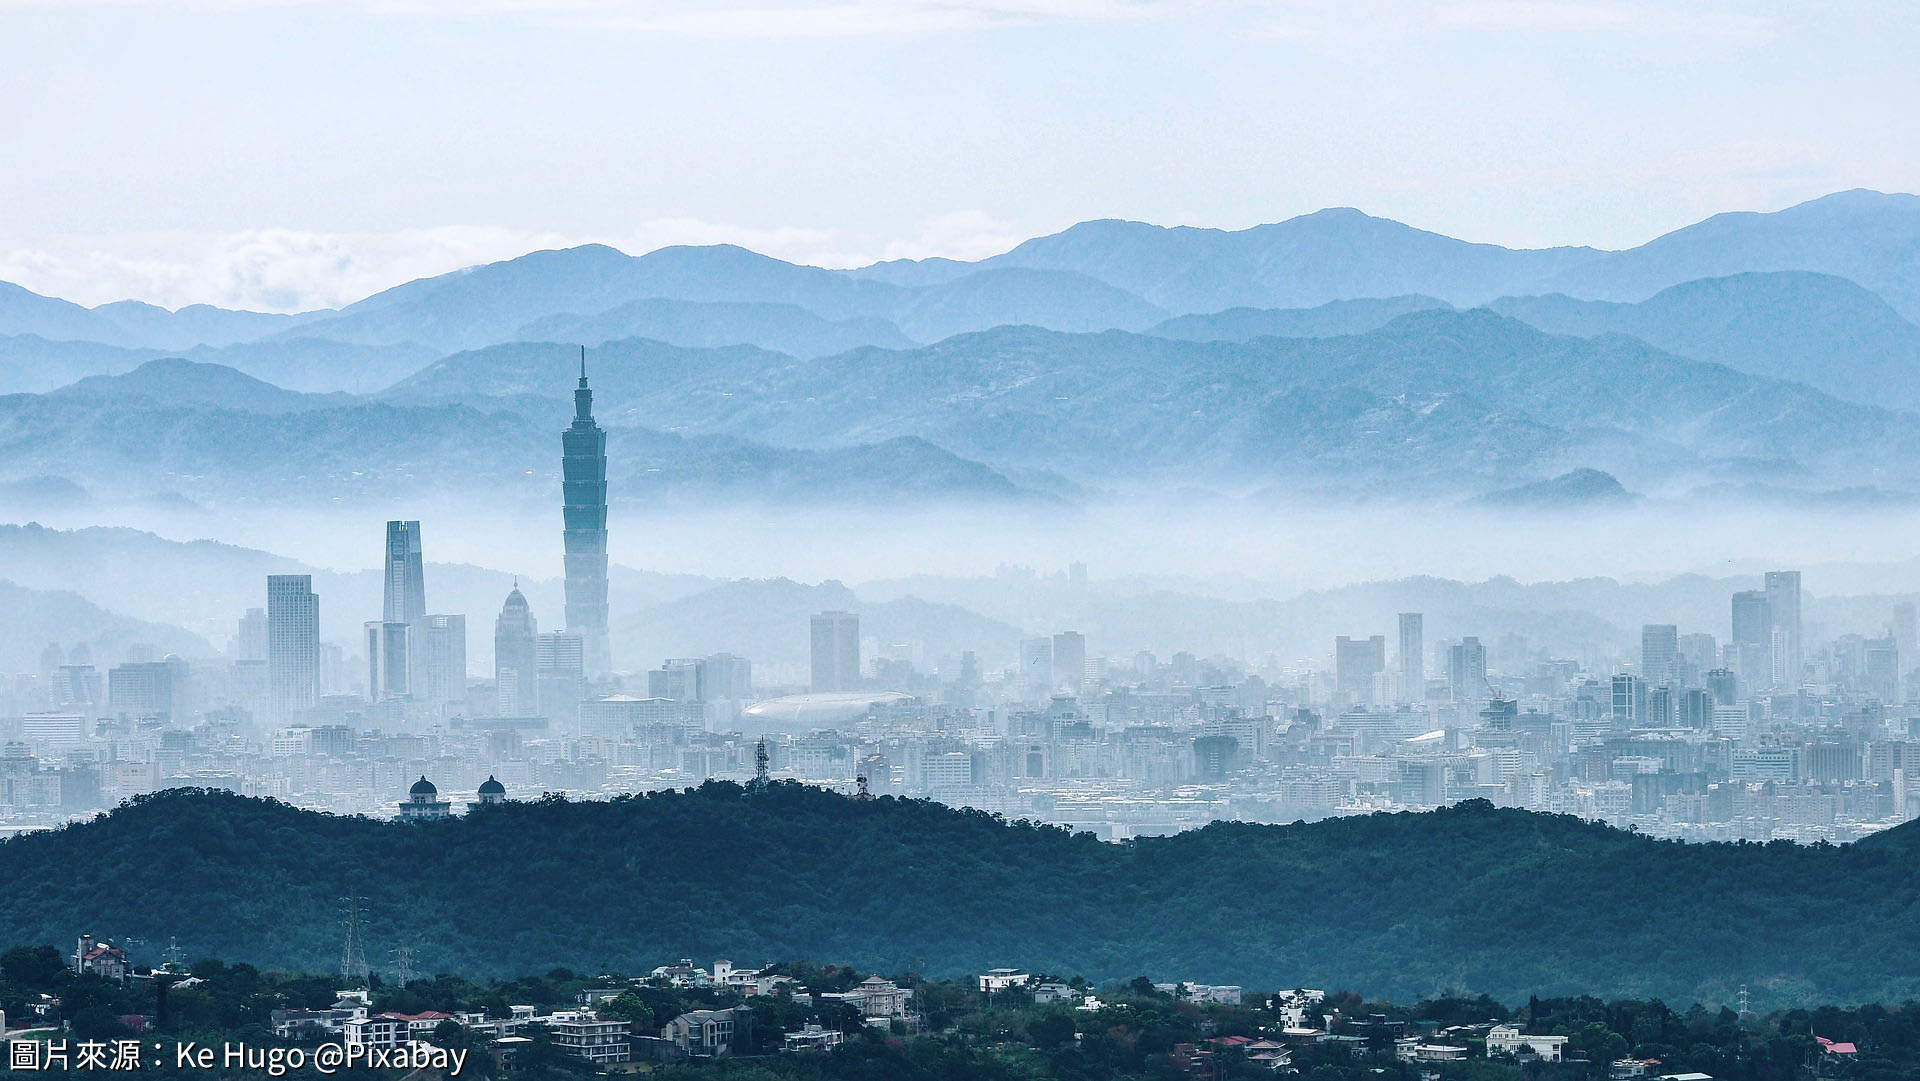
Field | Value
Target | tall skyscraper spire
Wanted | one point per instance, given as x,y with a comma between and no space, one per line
583,465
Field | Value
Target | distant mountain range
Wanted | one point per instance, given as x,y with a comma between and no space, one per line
1435,401
31,618
1331,354
1817,329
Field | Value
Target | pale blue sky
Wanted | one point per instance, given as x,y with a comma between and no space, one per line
278,152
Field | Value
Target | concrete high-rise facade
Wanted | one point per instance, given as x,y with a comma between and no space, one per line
405,595
293,646
516,670
1413,660
836,651
1752,643
1357,664
1659,652
583,466
389,667
1036,665
1783,602
559,660
443,676
141,690
1906,634
1467,670
1069,661
250,636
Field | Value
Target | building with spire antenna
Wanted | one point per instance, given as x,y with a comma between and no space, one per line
583,465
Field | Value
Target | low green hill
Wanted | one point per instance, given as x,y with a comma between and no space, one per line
1470,898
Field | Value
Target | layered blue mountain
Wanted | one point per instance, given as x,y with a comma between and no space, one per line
33,617
490,304
783,328
31,363
214,435
1434,401
1868,237
1817,329
1329,320
1575,488
1303,262
132,323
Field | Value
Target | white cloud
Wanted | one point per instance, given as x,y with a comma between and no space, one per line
1601,16
294,270
742,18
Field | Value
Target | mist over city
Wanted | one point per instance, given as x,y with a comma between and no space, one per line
1035,540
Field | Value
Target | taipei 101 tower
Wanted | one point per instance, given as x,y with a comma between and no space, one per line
583,467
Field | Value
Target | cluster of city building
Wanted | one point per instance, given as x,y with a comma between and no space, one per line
1756,737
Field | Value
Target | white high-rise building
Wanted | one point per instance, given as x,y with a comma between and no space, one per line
293,646
1413,661
1783,604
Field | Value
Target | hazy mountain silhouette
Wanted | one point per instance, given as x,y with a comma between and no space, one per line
783,328
35,617
1868,237
132,323
174,382
1435,400
1303,262
1329,320
213,435
1816,329
1577,488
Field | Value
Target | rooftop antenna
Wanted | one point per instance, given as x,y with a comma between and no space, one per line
583,364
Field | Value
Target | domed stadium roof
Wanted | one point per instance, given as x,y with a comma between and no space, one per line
803,712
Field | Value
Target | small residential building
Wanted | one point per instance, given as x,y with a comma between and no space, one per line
710,1033
1269,1055
584,1035
96,958
1509,1040
1225,994
314,1024
683,974
1055,992
1000,979
874,998
812,1037
1439,1052
381,1032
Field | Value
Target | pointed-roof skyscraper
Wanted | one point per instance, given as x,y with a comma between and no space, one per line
583,466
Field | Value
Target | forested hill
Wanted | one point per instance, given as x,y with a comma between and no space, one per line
1470,898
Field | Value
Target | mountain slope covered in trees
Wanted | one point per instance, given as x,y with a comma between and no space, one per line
1500,901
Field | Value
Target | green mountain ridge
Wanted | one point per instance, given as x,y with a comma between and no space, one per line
1473,898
